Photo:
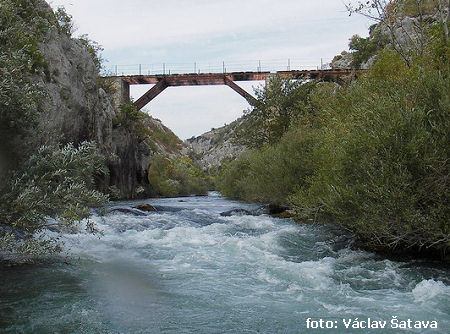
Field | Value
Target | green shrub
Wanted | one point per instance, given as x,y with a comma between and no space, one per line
133,120
176,177
94,49
64,21
128,116
272,173
55,182
386,175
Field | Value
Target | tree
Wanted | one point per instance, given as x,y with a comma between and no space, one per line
280,103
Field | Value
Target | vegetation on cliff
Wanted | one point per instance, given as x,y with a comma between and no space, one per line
371,156
146,129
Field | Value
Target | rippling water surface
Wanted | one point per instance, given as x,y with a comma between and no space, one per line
189,270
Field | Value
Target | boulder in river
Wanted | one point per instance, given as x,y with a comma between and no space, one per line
275,209
146,207
271,209
236,212
127,210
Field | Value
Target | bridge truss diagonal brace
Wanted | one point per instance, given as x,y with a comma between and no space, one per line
251,100
151,94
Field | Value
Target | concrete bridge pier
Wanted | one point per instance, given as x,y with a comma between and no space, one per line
121,92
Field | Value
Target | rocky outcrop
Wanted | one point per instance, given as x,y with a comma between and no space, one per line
342,61
146,207
403,31
76,108
211,148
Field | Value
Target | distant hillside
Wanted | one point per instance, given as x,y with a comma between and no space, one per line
215,146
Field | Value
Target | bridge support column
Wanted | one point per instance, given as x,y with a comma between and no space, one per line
121,92
151,94
250,99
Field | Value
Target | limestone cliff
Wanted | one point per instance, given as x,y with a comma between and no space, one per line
76,108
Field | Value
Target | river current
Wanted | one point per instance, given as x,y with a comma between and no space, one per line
187,269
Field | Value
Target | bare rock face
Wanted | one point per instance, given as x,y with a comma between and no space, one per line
406,33
73,98
345,61
215,146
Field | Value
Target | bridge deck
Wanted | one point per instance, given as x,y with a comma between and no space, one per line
199,79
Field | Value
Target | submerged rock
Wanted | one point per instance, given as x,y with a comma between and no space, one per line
278,211
275,209
237,212
127,210
146,208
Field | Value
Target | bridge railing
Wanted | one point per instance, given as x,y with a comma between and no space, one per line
218,67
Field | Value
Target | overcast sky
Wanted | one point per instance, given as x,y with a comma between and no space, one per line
241,33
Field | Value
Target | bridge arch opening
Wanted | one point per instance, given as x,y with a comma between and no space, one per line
191,111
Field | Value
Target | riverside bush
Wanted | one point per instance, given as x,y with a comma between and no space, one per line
55,182
272,173
387,179
176,177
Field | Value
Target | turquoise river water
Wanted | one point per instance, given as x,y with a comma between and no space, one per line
187,269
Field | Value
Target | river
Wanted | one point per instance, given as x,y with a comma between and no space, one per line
187,269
